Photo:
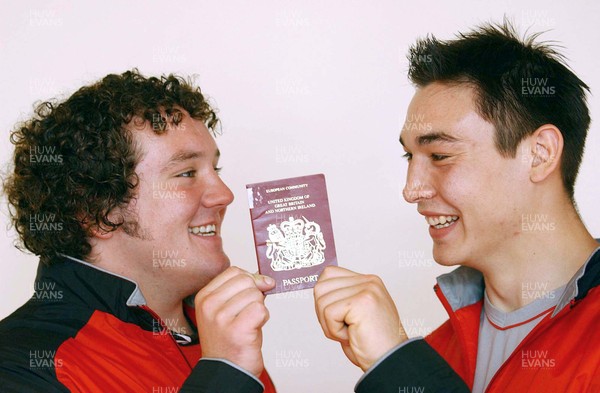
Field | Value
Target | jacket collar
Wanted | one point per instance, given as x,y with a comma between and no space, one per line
83,284
464,286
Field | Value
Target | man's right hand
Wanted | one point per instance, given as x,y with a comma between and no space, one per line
230,312
357,311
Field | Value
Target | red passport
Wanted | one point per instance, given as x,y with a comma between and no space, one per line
292,230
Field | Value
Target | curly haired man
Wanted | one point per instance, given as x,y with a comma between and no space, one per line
117,190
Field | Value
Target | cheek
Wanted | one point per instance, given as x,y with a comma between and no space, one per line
457,188
505,192
167,208
179,211
487,198
468,194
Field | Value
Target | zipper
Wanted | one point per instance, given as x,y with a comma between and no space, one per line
457,328
162,324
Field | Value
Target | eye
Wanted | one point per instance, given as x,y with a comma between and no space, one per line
438,157
218,169
407,155
191,173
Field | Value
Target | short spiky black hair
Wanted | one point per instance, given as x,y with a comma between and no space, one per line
520,85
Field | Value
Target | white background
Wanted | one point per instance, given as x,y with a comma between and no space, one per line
302,87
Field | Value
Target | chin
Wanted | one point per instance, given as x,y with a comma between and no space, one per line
218,264
445,257
202,272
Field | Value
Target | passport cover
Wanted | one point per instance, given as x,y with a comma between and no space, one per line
292,229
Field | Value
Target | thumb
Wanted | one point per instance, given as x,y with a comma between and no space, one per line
263,283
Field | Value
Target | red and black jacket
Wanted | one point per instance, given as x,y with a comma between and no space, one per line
445,360
88,330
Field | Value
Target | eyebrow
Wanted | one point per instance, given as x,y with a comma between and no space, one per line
186,155
432,137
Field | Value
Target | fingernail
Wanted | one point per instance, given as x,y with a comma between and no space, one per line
268,280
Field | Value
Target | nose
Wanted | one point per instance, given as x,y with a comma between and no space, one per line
216,193
418,185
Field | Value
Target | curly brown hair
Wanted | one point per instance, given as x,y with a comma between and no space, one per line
74,161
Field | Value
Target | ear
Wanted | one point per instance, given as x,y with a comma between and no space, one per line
99,233
94,230
546,146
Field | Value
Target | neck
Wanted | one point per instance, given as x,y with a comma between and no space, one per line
170,312
166,302
544,256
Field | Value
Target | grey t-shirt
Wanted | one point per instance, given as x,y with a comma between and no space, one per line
501,332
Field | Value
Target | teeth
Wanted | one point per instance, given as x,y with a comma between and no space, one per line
204,230
441,221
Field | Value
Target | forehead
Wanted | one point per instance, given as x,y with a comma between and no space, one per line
442,109
189,136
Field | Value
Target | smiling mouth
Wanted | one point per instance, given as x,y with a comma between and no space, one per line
439,222
203,230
